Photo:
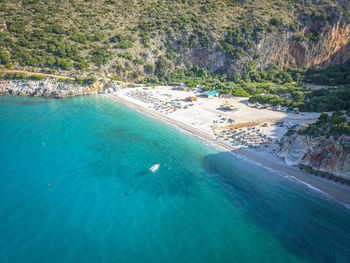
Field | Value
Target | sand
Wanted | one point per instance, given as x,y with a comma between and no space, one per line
198,120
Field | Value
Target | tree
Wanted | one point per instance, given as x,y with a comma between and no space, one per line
162,67
149,68
4,57
323,117
276,22
298,95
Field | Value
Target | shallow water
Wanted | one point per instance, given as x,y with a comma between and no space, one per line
75,188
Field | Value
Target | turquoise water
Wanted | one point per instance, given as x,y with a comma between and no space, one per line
75,188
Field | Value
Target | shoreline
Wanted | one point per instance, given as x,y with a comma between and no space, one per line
332,190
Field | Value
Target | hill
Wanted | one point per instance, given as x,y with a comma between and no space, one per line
138,39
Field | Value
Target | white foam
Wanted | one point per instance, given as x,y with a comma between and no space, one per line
291,178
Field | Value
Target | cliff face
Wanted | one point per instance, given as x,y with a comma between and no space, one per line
40,88
321,154
331,47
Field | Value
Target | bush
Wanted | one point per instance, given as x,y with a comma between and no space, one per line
312,36
290,132
86,81
17,27
277,22
235,42
123,41
100,55
340,129
162,67
63,64
36,77
4,57
323,117
240,93
15,76
149,68
146,40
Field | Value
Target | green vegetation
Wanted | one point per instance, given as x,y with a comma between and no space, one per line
337,75
175,41
334,125
20,76
237,40
123,41
87,81
85,37
15,76
307,100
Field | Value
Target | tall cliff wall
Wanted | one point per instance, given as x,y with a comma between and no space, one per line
331,47
330,155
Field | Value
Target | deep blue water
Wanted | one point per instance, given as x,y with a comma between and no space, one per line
75,188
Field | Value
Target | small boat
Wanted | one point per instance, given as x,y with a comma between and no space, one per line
154,168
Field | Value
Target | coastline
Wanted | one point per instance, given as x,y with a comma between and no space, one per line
332,190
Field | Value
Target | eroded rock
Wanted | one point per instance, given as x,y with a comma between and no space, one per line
330,155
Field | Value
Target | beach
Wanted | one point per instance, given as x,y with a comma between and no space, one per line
205,120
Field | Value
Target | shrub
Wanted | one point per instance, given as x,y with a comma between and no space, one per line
290,132
323,117
149,68
100,55
4,57
240,93
36,77
277,22
340,129
312,36
17,27
162,67
123,41
15,76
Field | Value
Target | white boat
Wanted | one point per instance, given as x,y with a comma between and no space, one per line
154,168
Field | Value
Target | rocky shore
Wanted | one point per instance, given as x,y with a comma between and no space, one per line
41,88
330,156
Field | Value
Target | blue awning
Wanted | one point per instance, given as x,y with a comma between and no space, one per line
211,93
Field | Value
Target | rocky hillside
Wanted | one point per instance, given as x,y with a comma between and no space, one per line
132,39
327,155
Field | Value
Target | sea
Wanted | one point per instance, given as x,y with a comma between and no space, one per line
75,186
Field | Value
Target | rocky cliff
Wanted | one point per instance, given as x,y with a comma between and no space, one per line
40,88
327,155
330,46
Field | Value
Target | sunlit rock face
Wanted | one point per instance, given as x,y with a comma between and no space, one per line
329,155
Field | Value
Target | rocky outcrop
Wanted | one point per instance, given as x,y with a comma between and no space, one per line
327,155
40,88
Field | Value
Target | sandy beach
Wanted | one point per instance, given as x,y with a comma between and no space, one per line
246,131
